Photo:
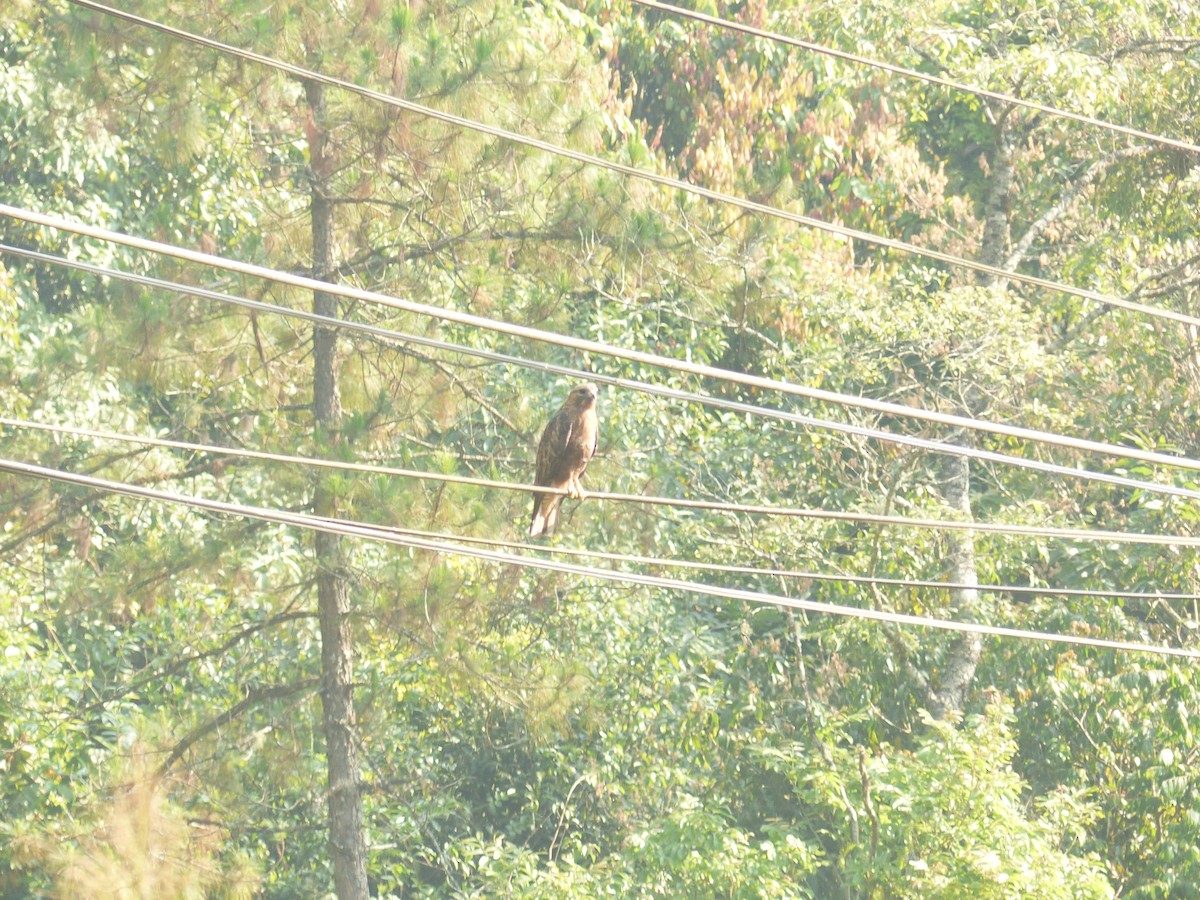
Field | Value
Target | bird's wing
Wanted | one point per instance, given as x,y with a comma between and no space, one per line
554,441
594,421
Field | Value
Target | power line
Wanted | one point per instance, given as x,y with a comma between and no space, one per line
386,334
374,469
916,74
602,349
1072,534
633,172
353,529
774,572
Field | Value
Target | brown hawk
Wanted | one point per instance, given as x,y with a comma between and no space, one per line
563,453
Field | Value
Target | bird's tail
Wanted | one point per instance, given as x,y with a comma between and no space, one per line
538,525
545,514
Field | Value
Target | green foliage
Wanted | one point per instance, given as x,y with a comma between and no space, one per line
1091,723
948,816
532,734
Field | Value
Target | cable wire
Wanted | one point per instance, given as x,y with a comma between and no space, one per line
378,332
634,172
599,348
353,529
803,575
1071,534
375,469
845,56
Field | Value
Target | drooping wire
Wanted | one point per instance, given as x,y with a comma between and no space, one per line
399,337
634,172
797,574
860,518
859,60
603,349
354,529
663,562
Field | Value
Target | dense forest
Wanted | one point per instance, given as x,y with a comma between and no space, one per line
886,581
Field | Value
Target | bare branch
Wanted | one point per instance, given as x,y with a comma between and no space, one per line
467,390
1069,198
1153,285
1169,45
185,661
252,699
407,252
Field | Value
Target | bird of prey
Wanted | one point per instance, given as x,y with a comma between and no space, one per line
563,453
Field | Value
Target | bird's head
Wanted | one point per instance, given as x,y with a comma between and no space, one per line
583,396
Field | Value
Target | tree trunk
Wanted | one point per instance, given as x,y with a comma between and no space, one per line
996,230
346,839
948,693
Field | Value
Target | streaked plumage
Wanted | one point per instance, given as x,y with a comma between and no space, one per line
563,453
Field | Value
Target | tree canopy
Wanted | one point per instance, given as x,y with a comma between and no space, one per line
197,703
